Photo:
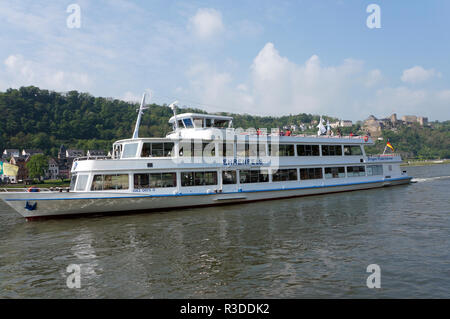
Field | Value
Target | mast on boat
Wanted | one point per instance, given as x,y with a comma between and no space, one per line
140,112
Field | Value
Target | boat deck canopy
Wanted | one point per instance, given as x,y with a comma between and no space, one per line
196,120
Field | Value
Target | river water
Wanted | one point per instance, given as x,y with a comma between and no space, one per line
311,247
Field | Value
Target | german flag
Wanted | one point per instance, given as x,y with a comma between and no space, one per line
388,144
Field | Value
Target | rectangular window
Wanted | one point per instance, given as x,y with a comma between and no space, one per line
187,179
331,150
254,176
141,181
209,149
188,123
229,177
334,172
352,150
250,149
157,149
97,183
311,173
226,149
253,149
308,150
198,178
354,171
158,180
168,149
197,149
242,149
198,122
186,149
282,175
146,150
73,181
82,182
221,123
373,170
262,149
281,149
109,182
129,150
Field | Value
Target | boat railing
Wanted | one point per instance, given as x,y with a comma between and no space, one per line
85,158
306,135
384,157
32,189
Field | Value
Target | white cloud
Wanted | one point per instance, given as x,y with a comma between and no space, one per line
404,100
214,90
278,86
373,78
131,97
206,23
22,72
418,74
281,85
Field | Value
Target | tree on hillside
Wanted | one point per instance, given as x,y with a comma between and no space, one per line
37,165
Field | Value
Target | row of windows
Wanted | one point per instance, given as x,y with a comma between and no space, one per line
354,171
109,182
198,178
197,149
154,180
192,149
161,180
157,149
254,176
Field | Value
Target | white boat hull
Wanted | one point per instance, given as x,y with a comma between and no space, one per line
49,204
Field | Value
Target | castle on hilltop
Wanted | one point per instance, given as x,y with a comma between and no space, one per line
374,125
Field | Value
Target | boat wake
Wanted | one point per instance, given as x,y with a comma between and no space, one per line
428,179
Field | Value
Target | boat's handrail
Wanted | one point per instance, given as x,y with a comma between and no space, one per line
36,189
85,158
385,155
305,135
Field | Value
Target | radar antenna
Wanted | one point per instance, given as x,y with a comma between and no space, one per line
173,107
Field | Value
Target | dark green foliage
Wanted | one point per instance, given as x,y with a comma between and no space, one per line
42,119
417,142
36,165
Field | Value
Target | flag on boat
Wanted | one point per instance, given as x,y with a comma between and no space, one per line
388,144
322,129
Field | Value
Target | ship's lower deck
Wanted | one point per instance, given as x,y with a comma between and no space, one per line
55,204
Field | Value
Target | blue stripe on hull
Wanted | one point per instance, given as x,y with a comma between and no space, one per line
198,194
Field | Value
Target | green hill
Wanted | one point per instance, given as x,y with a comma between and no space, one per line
42,119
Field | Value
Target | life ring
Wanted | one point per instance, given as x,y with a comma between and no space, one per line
366,138
33,189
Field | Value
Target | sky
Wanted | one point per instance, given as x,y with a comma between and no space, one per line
249,56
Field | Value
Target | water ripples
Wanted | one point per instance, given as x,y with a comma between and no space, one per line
318,246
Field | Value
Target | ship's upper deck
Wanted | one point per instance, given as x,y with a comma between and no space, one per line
196,120
209,127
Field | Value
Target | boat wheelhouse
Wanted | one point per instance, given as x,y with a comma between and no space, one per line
205,161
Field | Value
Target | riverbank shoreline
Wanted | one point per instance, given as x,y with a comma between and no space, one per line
425,162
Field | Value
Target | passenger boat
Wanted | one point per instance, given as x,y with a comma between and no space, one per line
205,161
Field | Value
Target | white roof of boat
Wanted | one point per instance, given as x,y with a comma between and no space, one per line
199,115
